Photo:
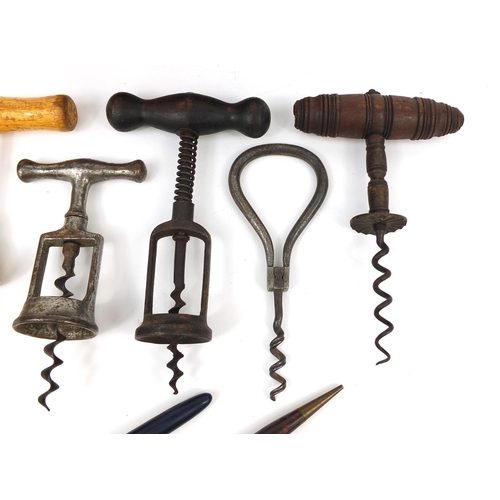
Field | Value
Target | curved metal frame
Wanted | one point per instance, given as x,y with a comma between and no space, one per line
278,276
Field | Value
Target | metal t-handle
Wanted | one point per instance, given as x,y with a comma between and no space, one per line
82,174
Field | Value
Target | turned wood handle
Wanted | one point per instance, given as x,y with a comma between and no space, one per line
200,113
56,112
356,116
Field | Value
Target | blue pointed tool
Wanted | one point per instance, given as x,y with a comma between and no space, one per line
174,417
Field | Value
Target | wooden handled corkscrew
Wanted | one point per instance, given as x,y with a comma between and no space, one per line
375,118
188,115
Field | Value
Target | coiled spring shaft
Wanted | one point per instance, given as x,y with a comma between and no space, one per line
186,165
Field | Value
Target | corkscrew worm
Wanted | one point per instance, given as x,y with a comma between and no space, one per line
46,374
384,250
177,373
278,277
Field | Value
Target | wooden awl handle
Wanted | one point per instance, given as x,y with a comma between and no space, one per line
56,112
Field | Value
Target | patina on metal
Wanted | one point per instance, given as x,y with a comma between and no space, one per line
60,318
375,117
188,115
278,277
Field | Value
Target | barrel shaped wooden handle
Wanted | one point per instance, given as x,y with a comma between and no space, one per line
356,116
56,112
200,113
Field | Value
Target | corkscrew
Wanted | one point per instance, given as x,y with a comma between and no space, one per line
60,318
188,115
374,117
278,277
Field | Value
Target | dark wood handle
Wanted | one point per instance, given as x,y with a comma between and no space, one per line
203,114
356,116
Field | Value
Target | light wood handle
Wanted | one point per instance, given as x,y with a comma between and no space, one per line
56,112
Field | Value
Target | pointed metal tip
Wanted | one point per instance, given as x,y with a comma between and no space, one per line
43,403
289,422
313,406
331,393
335,390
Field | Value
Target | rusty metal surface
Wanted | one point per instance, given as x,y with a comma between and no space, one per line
174,327
278,277
188,115
65,318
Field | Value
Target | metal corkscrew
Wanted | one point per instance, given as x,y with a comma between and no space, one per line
188,115
278,277
61,318
375,117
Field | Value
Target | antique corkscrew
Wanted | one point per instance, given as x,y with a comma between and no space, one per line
61,318
278,277
375,117
188,115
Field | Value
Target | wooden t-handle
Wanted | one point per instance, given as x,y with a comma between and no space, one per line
356,116
56,112
200,113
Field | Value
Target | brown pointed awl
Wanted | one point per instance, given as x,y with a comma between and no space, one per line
289,422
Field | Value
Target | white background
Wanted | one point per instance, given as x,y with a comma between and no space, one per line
424,425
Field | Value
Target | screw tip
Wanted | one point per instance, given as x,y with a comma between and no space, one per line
383,361
43,403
